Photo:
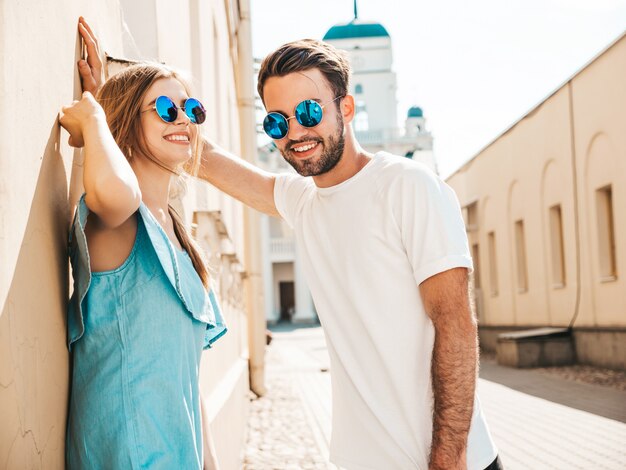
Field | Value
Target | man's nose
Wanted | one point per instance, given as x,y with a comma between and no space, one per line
296,130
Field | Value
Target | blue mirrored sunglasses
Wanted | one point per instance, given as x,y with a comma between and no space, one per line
168,111
308,113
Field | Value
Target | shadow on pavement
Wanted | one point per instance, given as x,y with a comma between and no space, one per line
286,327
596,399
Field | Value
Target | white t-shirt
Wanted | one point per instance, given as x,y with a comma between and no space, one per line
366,245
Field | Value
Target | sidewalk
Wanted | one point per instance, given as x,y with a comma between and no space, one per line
595,399
290,427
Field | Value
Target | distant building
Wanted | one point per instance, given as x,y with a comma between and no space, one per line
546,220
368,46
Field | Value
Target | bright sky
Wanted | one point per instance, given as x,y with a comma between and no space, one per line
474,67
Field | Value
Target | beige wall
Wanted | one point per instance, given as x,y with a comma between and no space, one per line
40,179
570,145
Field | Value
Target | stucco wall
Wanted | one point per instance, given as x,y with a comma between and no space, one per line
40,178
561,152
38,51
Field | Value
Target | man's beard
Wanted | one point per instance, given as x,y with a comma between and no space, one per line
331,154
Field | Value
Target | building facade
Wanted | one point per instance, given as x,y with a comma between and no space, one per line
41,180
545,216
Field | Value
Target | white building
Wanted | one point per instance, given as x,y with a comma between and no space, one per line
373,85
287,297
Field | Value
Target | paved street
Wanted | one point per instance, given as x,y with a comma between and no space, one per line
550,424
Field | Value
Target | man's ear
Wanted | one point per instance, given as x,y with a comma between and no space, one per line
347,108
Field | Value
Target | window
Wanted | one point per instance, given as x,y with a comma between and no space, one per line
493,264
556,247
520,251
358,89
606,233
470,214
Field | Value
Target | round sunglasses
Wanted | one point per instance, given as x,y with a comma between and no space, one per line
308,113
168,111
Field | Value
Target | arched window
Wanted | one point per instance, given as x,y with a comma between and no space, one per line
358,89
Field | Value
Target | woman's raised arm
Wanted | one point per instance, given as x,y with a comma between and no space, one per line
111,187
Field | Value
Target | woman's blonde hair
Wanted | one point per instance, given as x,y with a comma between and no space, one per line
121,97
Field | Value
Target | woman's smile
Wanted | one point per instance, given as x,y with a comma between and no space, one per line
178,138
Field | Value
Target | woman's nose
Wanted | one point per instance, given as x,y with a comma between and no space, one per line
182,117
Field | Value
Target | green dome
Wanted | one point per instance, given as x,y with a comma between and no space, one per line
415,112
356,29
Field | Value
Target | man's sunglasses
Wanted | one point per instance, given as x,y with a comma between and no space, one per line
168,111
308,113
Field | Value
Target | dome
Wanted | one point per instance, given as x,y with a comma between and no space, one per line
356,29
415,112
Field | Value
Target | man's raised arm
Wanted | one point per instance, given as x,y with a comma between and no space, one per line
238,178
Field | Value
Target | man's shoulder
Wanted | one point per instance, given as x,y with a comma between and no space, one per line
293,180
394,169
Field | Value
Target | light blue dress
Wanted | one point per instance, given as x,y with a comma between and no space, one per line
136,334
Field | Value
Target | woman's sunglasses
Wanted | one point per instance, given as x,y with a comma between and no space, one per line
168,111
308,113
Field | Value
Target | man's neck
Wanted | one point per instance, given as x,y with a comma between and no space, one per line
353,159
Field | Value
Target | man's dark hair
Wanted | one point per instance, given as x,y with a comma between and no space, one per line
307,54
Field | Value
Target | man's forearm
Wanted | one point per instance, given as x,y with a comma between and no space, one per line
454,367
237,178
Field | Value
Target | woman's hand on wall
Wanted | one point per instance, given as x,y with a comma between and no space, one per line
90,70
75,117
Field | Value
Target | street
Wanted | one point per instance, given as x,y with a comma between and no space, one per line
290,427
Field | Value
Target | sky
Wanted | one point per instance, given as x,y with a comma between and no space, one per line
473,67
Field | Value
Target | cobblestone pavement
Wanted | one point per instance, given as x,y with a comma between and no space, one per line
526,412
615,379
283,432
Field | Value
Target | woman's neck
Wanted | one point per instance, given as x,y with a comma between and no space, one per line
154,183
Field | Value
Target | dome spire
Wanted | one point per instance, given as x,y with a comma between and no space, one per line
356,11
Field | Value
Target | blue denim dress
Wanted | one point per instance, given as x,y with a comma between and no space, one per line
136,334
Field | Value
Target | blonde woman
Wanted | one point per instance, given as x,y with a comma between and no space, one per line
142,308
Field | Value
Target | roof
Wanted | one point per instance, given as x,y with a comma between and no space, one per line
415,111
356,29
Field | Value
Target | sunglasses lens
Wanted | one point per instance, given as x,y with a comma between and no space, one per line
275,125
166,109
195,111
309,113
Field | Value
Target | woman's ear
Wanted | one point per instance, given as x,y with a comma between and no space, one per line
347,108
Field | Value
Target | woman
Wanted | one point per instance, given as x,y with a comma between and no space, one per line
142,310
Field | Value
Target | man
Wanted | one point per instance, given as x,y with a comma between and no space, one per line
386,257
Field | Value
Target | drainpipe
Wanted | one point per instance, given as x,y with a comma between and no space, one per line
570,95
253,259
